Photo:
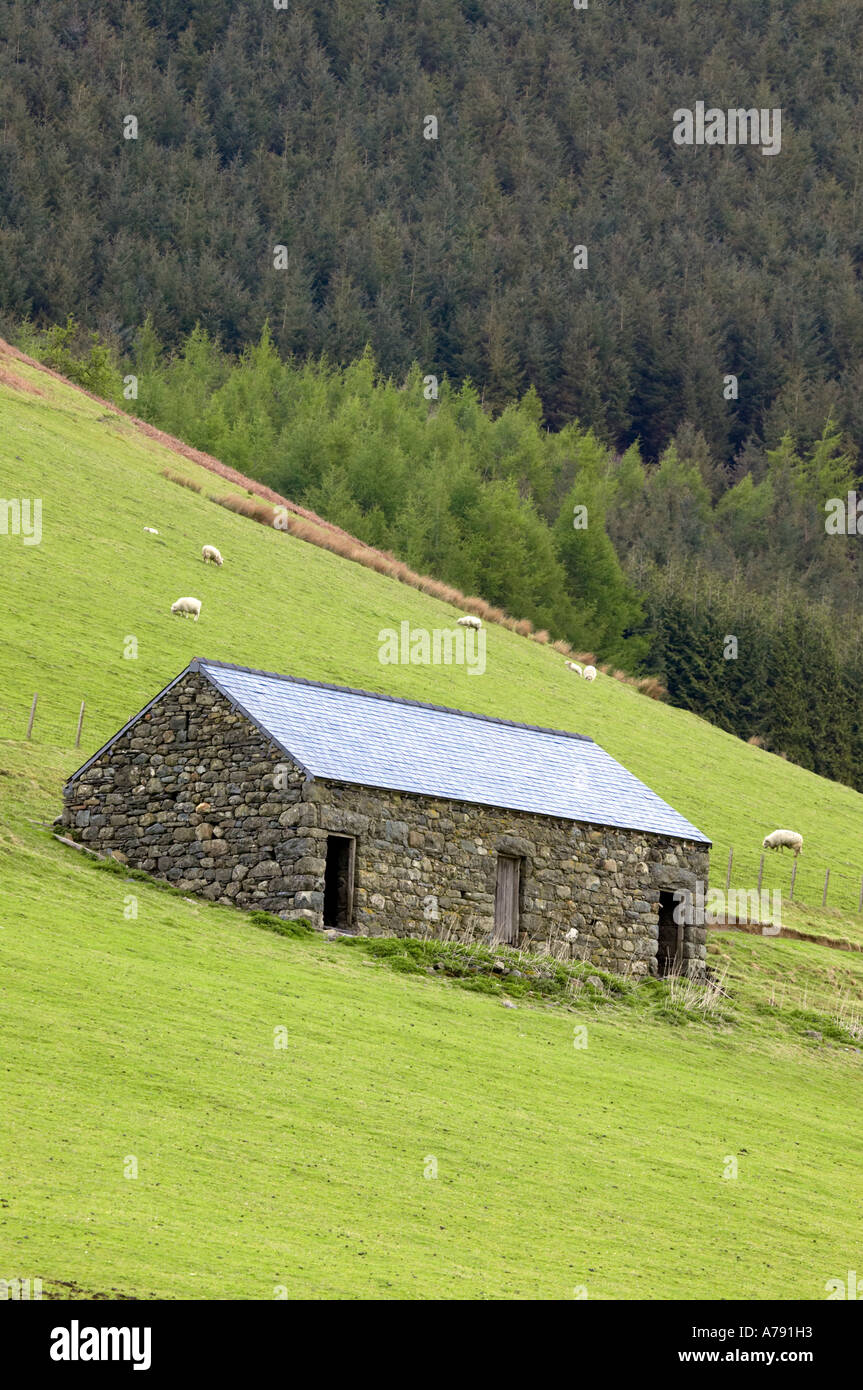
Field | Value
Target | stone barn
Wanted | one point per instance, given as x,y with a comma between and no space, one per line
373,814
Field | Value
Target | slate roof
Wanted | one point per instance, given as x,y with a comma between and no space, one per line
354,736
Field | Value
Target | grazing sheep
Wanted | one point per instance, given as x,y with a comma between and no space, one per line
209,552
588,672
152,530
187,605
781,839
470,621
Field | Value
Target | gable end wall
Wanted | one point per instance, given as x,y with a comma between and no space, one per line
195,794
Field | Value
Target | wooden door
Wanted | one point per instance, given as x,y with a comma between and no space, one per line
506,900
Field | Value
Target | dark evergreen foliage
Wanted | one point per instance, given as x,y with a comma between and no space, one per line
303,127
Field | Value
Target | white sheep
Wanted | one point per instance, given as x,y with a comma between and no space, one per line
470,621
588,672
209,552
187,605
782,839
152,530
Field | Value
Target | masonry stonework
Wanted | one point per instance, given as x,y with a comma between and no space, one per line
195,794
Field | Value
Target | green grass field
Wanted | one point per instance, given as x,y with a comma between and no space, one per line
301,1168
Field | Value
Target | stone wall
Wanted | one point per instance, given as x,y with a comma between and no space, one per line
425,864
194,794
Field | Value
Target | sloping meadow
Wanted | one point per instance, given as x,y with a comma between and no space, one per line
87,617
197,1106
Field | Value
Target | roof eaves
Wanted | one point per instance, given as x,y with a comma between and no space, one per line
696,839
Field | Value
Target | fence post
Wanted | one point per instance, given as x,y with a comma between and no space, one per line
760,876
728,874
824,894
793,876
32,715
860,899
80,722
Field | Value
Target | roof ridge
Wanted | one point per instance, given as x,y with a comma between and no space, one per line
200,661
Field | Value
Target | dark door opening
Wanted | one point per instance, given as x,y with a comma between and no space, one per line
506,900
669,954
339,882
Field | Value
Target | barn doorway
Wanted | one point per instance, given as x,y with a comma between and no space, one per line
669,954
339,882
506,900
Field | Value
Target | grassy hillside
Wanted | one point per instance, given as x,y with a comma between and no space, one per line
281,604
558,1167
303,1168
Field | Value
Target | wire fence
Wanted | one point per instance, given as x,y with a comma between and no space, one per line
809,883
56,724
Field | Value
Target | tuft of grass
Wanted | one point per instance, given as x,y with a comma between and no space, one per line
295,928
251,507
688,996
651,687
180,480
498,970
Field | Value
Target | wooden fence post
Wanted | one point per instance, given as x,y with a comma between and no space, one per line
32,715
860,899
824,894
793,876
80,722
728,874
